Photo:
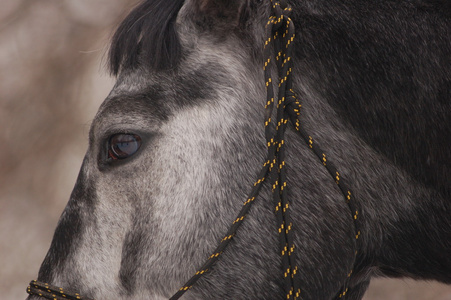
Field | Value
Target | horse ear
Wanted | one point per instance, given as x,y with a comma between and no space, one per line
233,12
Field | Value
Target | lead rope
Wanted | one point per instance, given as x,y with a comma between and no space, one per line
280,32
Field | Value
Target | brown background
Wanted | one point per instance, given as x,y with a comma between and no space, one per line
52,80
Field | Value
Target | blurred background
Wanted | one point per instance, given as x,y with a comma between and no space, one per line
52,80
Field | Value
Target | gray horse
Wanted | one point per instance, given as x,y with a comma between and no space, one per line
176,147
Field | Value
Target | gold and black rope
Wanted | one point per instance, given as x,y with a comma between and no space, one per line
278,47
293,110
280,31
47,291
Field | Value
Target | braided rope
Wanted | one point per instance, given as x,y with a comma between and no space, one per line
278,48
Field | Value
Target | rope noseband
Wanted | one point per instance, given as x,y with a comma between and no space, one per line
47,291
277,50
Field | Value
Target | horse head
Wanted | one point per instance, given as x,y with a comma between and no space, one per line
177,146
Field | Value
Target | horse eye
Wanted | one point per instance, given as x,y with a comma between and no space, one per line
123,145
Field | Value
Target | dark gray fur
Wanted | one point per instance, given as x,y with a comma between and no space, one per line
374,81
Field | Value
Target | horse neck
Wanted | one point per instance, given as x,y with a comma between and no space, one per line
402,221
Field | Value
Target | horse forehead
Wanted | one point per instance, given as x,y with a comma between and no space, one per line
206,70
132,81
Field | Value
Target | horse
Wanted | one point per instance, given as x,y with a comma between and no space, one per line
206,91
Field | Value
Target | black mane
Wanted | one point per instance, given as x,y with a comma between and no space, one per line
147,34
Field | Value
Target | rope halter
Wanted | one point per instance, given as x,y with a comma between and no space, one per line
278,49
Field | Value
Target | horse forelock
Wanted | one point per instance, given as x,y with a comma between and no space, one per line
147,31
149,36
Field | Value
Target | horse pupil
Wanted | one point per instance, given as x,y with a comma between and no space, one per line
123,145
